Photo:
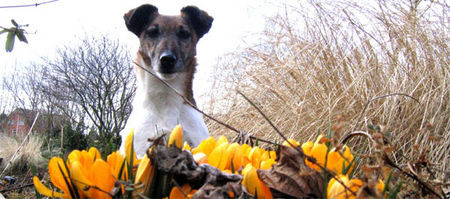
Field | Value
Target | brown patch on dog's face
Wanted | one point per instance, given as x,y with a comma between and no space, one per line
168,43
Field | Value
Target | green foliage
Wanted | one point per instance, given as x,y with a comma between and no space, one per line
393,193
13,32
104,142
74,138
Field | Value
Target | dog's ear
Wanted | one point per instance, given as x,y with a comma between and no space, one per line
136,19
200,20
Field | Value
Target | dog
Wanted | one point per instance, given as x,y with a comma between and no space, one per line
167,49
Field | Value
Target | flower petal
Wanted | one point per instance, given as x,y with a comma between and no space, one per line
292,141
273,155
267,164
186,146
253,184
337,190
221,140
102,178
42,189
79,178
255,156
234,157
94,153
217,155
307,147
250,180
206,146
335,161
176,137
176,193
74,155
318,152
144,174
58,178
115,161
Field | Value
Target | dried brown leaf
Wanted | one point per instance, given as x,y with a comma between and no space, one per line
209,181
291,178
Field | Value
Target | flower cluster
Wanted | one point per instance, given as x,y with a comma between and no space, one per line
232,157
86,175
338,161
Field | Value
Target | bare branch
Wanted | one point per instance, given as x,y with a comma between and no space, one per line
29,5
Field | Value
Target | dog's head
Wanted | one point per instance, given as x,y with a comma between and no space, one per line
168,43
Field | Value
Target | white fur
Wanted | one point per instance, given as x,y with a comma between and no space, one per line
157,109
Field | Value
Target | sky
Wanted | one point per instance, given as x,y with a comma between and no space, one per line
64,22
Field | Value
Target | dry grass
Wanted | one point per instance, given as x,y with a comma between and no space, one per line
320,64
29,154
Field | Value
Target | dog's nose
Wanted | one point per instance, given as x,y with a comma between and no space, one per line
167,60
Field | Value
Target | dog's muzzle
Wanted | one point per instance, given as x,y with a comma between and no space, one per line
167,61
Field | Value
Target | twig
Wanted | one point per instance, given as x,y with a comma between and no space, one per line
411,175
29,5
262,113
14,188
355,133
379,97
195,107
21,145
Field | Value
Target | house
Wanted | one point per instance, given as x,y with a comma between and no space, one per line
18,122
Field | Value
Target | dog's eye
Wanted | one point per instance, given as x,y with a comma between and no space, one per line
183,34
152,32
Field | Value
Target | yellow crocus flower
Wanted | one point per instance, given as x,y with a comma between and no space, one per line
176,137
206,146
255,156
218,158
144,174
235,157
273,155
59,175
253,184
316,150
267,164
336,190
91,175
221,140
115,161
292,141
337,161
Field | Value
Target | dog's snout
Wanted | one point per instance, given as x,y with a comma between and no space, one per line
167,60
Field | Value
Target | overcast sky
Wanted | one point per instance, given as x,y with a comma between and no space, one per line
64,22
